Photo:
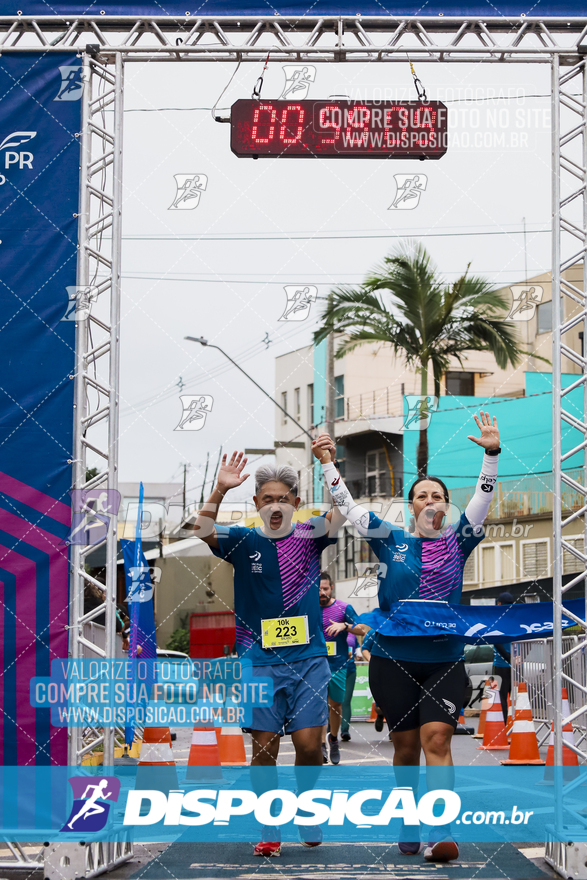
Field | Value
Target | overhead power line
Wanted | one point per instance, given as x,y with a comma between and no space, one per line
318,237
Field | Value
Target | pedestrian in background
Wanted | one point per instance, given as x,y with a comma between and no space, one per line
502,661
351,677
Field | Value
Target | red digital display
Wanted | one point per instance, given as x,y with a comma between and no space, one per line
339,129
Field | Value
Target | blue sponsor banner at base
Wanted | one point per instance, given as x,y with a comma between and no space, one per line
349,804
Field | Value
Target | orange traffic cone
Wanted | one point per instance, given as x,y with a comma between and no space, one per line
494,735
510,720
570,759
204,757
461,728
231,746
485,704
373,714
157,755
524,745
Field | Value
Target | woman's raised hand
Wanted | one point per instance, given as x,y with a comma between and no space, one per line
324,449
489,438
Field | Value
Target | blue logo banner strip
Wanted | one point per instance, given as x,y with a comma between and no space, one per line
39,185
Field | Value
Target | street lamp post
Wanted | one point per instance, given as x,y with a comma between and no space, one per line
205,342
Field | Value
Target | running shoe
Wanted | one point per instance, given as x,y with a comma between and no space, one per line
441,851
324,754
310,835
379,722
408,846
334,750
345,737
268,848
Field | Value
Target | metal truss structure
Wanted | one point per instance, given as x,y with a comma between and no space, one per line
315,39
569,310
106,43
97,359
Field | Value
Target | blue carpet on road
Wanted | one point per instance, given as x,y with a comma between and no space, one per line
235,861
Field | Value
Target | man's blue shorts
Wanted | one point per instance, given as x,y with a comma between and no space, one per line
299,696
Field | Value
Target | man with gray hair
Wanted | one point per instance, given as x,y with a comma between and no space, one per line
278,618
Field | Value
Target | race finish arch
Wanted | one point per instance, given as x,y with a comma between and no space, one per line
96,46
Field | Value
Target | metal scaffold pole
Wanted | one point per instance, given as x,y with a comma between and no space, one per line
569,309
96,429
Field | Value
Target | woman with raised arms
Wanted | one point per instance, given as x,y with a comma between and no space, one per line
419,681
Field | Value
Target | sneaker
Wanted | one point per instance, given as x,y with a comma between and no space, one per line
379,722
442,851
310,835
345,737
324,754
410,847
268,848
334,750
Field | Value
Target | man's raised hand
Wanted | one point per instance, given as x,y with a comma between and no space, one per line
231,474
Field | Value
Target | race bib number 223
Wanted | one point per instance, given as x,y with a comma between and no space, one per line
285,632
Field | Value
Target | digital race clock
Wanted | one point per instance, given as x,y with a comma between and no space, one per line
339,129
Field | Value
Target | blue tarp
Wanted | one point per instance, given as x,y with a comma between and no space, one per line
470,623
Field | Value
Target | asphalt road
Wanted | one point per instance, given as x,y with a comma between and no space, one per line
234,861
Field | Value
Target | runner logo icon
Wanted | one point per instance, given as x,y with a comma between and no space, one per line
450,706
90,808
409,188
189,189
72,83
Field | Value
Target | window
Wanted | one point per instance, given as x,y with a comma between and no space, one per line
377,473
284,405
339,397
297,404
340,457
544,313
351,548
488,563
470,573
507,562
346,554
497,563
535,561
570,562
460,384
310,404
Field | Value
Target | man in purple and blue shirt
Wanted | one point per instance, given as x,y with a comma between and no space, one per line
338,620
277,612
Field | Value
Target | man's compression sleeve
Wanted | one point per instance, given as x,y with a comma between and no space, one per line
357,515
478,506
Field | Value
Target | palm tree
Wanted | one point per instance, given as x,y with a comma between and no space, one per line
406,303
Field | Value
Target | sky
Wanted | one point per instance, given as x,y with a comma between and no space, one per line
329,221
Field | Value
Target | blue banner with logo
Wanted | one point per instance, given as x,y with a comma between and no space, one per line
39,182
298,8
470,623
337,804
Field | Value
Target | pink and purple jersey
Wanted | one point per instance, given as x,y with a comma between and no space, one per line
275,578
338,612
421,568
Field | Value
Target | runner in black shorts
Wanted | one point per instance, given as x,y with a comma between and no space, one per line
419,681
